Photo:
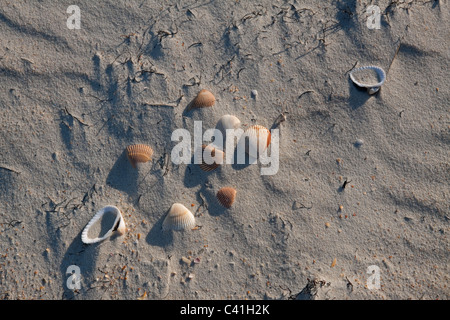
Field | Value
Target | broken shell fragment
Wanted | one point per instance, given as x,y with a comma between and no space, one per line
139,153
203,99
178,218
118,225
371,87
226,196
211,158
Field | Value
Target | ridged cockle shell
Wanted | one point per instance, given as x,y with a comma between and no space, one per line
226,196
178,218
203,99
137,153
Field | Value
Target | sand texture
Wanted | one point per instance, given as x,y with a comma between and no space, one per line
363,179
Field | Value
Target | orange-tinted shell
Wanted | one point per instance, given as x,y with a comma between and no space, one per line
210,167
258,136
260,132
226,196
203,99
139,153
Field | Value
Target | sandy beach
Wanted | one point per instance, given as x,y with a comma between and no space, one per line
358,209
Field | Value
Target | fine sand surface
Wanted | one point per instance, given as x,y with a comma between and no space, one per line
71,100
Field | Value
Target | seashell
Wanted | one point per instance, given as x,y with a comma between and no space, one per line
139,153
258,140
226,196
178,218
118,225
225,123
217,158
371,87
228,121
203,99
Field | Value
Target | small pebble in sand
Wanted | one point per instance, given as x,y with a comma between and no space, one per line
359,143
254,94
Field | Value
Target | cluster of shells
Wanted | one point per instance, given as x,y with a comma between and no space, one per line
179,217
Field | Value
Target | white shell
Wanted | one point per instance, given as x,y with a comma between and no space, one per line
226,122
258,140
178,218
371,88
118,225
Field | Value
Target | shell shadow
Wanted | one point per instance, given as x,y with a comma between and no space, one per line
85,257
358,96
248,160
123,176
188,112
158,237
344,17
193,175
65,131
195,114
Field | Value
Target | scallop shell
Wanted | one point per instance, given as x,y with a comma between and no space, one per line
258,140
178,218
203,99
217,156
226,196
139,153
371,88
118,225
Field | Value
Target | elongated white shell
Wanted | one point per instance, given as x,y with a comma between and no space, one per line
178,218
118,225
371,87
